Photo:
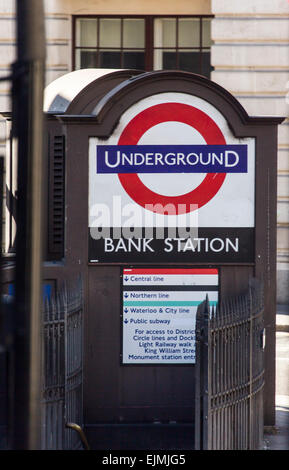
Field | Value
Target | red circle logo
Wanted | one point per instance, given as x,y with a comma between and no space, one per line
158,114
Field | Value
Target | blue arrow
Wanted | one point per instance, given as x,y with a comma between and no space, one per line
126,278
126,310
126,295
125,321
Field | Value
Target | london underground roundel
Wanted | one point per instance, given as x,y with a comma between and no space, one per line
171,161
176,112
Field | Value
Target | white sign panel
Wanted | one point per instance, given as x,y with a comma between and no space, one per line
172,163
159,313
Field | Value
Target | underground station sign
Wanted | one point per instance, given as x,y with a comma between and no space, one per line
171,182
159,313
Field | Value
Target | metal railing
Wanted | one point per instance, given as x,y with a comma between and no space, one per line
63,364
230,373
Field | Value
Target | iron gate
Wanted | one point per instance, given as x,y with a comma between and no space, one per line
62,381
230,373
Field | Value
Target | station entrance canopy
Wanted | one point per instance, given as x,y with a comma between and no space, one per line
165,179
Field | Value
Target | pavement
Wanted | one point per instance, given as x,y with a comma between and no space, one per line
282,318
277,437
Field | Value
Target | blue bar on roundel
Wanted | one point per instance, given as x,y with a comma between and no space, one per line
172,158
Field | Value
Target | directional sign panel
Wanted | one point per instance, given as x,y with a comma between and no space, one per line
172,163
159,312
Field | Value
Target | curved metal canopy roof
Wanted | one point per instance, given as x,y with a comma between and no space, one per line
60,93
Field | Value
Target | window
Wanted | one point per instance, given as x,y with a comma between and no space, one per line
110,43
145,43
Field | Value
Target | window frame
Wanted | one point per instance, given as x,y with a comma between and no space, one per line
149,46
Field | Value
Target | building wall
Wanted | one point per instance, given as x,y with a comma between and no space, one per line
250,56
7,56
130,7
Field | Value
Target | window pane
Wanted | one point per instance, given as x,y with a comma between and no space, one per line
206,64
86,32
134,60
133,33
206,33
189,32
190,61
109,30
110,59
158,59
165,32
85,59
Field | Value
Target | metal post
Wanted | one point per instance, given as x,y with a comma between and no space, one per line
27,114
198,369
251,433
206,378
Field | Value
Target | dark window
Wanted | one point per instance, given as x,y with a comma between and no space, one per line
145,43
110,42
